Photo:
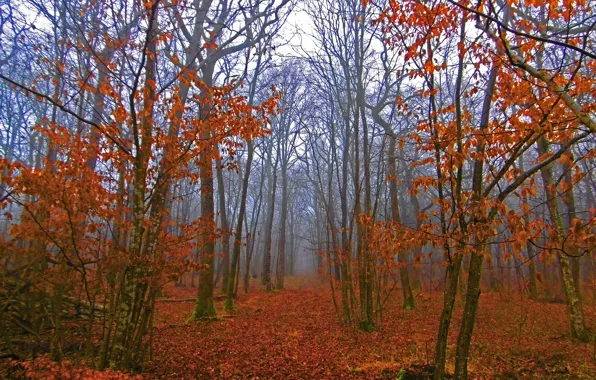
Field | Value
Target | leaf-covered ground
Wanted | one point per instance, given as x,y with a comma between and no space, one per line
295,334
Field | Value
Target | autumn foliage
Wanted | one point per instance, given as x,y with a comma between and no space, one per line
439,150
93,237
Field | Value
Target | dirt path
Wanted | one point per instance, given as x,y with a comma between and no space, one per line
295,334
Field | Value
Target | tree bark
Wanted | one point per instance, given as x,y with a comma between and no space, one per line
272,182
224,226
469,318
281,255
569,200
477,255
229,305
574,303
408,297
449,294
205,306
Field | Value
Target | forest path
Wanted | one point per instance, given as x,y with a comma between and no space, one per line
295,334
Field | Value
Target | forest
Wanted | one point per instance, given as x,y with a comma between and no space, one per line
302,189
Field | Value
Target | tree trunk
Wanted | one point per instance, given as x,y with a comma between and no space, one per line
409,303
272,182
281,255
250,248
574,303
205,306
449,295
224,226
569,199
532,286
477,256
229,305
469,318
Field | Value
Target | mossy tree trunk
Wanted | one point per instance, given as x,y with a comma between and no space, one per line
133,304
470,309
205,305
569,200
477,256
574,303
449,294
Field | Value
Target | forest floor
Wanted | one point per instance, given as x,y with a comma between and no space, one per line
295,334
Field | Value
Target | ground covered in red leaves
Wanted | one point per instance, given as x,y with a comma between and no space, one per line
295,333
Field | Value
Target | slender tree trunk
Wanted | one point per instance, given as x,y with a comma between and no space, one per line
266,274
224,226
292,244
453,269
238,234
463,278
477,255
569,199
366,296
255,221
574,303
449,294
408,297
341,255
417,251
281,256
469,318
532,285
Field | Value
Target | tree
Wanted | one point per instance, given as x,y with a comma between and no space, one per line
500,42
127,258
